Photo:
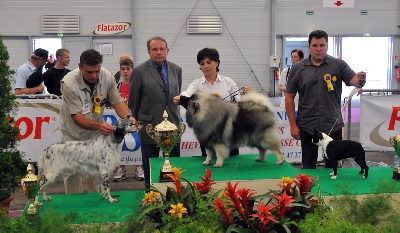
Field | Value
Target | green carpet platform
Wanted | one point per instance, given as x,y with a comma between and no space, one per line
262,176
259,176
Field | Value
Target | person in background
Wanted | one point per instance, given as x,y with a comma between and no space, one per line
80,117
213,82
318,82
51,62
125,69
33,66
52,77
154,83
117,75
295,56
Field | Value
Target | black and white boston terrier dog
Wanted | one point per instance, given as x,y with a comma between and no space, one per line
335,150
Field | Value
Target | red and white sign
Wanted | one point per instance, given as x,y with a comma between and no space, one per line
339,4
380,119
111,28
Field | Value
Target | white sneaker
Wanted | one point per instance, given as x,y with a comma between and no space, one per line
139,173
121,175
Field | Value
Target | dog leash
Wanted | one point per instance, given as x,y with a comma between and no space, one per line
233,93
347,100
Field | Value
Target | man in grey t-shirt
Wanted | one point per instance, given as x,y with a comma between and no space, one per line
318,81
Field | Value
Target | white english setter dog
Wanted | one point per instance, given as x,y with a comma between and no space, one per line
97,157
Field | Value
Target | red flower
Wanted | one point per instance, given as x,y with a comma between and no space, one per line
234,196
205,186
220,207
280,206
245,195
176,177
304,182
264,215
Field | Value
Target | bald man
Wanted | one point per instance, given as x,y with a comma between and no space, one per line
117,75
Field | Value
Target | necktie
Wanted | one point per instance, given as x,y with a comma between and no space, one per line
159,69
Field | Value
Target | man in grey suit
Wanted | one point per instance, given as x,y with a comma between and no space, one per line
153,86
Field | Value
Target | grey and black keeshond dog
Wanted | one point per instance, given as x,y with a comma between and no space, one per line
220,126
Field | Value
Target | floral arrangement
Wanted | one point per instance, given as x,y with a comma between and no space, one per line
235,210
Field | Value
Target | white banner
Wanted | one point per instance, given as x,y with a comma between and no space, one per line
38,120
380,119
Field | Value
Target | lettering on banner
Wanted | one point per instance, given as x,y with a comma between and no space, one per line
190,145
394,117
31,126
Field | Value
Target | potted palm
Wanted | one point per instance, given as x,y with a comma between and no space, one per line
12,163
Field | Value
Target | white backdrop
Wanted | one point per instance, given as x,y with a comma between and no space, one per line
38,120
380,119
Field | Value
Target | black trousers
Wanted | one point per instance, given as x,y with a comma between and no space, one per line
309,150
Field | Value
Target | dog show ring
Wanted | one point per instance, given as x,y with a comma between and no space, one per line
166,134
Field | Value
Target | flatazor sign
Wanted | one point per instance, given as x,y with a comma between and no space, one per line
111,28
38,120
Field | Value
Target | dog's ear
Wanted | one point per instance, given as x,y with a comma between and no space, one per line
184,101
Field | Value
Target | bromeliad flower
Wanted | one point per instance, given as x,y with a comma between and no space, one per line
264,214
150,197
304,183
286,183
220,207
234,196
176,177
178,210
205,186
281,205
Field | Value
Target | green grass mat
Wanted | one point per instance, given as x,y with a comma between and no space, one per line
243,167
91,208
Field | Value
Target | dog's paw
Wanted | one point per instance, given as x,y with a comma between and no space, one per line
364,177
333,173
259,159
279,162
206,163
217,165
333,177
112,200
47,198
36,203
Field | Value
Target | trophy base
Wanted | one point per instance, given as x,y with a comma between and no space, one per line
396,176
164,176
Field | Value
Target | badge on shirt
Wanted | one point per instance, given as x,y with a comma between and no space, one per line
328,80
86,109
97,104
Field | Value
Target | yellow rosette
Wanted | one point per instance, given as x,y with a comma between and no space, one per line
328,80
97,107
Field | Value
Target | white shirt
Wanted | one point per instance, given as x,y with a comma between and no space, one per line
224,86
282,82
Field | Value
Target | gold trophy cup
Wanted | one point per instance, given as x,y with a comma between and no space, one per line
30,186
395,142
166,134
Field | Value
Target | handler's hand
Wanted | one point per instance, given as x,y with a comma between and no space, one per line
177,99
105,129
246,90
295,132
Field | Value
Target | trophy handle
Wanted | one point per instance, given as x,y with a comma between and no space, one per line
182,128
150,132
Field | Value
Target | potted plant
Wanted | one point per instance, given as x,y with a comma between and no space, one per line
12,163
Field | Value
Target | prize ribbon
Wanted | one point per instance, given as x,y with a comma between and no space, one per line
97,107
328,80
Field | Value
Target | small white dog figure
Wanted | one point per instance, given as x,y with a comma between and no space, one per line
335,150
97,157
